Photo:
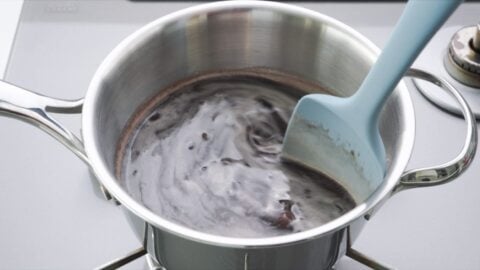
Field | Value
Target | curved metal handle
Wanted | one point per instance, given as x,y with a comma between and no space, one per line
32,108
441,174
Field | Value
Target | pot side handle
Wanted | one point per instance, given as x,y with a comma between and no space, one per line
33,108
444,173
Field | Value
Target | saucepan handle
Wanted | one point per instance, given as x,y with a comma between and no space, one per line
441,174
33,108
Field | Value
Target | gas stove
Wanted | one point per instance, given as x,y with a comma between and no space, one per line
54,217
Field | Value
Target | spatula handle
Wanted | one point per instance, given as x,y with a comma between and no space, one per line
418,23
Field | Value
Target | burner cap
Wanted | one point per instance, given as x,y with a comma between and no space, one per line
463,59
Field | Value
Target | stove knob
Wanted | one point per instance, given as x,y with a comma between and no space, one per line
476,39
463,58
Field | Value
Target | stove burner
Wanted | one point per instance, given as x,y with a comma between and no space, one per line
463,58
454,55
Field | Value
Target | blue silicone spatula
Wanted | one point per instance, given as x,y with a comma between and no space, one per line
328,133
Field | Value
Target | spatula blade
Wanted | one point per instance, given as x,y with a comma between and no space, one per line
333,147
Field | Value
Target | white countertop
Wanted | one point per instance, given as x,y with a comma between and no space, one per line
9,14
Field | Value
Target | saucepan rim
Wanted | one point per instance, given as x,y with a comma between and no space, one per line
108,180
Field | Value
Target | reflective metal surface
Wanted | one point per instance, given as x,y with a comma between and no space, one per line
233,35
443,173
32,108
463,58
236,36
120,85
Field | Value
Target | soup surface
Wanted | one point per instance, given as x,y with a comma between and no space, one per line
208,156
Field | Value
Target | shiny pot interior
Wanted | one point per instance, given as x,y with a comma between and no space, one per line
236,36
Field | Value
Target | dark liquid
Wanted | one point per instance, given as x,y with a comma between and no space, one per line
208,157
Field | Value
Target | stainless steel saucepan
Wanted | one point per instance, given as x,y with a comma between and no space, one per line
240,36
